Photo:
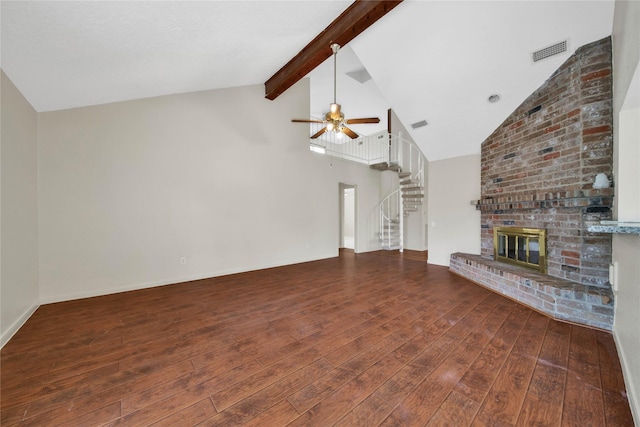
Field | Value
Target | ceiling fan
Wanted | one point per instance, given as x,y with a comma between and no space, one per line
334,119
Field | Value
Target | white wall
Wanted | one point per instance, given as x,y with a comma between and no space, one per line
454,224
221,178
19,231
367,188
626,248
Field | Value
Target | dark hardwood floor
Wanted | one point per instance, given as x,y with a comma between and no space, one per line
359,340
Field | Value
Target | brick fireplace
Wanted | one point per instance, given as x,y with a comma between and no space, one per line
538,171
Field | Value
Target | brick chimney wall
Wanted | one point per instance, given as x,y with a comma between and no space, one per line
539,167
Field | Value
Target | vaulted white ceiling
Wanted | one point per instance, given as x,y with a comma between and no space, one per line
437,61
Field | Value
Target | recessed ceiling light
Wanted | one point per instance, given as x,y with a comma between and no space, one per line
494,98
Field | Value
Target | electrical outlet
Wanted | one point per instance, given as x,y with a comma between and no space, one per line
183,260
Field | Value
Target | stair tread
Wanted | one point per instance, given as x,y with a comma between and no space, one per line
384,166
379,166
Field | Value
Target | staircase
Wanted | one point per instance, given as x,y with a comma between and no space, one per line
383,151
407,198
412,192
390,238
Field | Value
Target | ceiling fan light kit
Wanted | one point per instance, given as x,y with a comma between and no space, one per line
334,120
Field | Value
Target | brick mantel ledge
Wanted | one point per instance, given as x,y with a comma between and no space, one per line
558,298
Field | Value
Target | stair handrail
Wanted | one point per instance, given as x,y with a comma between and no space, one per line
408,156
393,200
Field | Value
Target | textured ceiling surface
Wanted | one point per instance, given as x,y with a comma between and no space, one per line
437,61
64,54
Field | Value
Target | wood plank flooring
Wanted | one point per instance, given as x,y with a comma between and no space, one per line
358,340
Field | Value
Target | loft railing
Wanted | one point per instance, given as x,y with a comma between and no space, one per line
380,147
369,149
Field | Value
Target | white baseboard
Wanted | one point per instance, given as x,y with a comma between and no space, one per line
6,336
633,394
50,299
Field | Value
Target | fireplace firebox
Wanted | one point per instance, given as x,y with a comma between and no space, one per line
525,247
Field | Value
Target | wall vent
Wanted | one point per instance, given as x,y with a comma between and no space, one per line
549,51
419,124
534,110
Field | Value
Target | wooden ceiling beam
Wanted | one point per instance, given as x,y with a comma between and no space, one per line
352,22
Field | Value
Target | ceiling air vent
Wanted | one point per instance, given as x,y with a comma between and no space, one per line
420,124
361,75
552,50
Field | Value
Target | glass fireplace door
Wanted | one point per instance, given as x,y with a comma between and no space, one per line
520,246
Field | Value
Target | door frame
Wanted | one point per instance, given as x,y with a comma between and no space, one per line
341,192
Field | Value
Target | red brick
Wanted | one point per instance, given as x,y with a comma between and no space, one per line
552,129
573,112
570,254
596,75
597,129
516,124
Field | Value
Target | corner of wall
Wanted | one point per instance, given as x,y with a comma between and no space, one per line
633,391
15,327
20,292
626,248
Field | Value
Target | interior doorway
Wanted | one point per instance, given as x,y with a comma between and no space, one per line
348,216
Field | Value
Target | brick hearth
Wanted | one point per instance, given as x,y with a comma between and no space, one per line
558,298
